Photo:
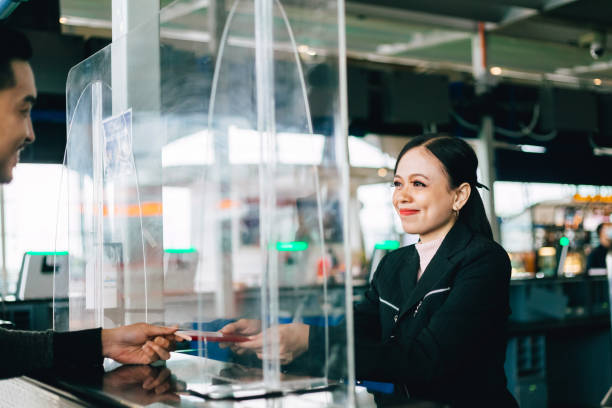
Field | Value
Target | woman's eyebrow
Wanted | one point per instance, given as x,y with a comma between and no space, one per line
419,175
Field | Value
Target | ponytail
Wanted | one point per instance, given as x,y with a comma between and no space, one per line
473,214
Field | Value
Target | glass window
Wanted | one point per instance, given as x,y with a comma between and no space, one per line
30,212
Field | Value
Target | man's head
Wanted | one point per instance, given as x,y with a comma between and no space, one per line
604,230
17,96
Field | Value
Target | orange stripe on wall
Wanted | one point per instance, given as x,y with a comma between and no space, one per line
152,209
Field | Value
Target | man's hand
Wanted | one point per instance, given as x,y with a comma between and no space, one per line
139,343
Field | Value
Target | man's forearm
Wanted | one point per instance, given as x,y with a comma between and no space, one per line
25,351
28,351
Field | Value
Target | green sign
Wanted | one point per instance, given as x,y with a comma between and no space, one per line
292,246
47,253
389,245
179,250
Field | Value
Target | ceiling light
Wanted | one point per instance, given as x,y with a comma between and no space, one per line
495,71
304,49
532,149
597,81
382,172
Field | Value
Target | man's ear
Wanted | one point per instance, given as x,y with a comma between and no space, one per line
462,193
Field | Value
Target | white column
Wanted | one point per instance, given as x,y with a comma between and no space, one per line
486,153
136,85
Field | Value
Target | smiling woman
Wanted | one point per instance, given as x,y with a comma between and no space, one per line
433,321
438,174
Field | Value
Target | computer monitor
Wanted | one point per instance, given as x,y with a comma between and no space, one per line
180,266
36,275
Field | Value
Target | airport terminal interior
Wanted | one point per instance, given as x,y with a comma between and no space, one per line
202,161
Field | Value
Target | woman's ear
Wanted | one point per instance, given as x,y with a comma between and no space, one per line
462,193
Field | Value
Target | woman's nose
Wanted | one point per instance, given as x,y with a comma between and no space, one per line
403,195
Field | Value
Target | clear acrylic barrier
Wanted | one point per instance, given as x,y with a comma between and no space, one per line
205,181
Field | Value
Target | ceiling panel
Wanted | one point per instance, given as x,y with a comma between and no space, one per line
536,37
593,13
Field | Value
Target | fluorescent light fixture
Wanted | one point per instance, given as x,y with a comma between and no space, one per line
532,149
85,22
291,148
192,150
8,6
364,154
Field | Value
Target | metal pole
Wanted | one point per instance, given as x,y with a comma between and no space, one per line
486,155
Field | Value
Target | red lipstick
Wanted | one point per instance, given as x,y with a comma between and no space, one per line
408,212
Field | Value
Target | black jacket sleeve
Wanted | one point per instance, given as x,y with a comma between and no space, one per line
474,311
366,323
366,319
29,351
25,351
78,348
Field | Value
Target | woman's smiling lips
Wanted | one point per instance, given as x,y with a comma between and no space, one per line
408,212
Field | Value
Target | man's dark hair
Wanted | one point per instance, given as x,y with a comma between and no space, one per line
599,227
14,46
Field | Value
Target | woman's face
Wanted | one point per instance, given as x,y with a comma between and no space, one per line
422,195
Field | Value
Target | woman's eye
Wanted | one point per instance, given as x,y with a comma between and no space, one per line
418,184
396,184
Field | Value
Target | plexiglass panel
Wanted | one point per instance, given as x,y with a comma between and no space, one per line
205,181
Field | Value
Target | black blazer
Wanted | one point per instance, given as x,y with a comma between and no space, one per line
443,337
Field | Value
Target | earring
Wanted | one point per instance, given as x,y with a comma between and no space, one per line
456,212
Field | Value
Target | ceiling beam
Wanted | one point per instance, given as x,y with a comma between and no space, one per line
555,4
422,41
517,14
361,8
465,9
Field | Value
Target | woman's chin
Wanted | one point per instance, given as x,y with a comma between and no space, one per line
411,229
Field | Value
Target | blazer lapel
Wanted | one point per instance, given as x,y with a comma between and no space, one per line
408,272
456,239
393,286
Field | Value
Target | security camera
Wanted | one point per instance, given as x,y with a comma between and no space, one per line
597,49
595,41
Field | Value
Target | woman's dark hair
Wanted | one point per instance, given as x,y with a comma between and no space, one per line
460,163
14,46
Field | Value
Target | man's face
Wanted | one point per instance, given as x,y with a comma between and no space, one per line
15,123
604,235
